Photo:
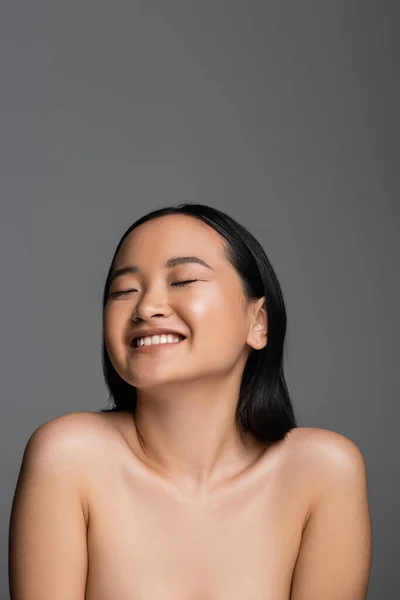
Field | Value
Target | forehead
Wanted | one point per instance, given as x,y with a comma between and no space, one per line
170,235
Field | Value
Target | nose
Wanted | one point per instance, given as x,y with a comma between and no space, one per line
151,304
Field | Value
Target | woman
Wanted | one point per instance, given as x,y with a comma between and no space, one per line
197,483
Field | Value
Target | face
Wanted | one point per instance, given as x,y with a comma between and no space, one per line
206,304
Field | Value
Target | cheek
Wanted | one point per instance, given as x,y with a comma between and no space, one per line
207,303
113,324
218,315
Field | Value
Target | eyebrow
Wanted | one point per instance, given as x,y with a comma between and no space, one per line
171,262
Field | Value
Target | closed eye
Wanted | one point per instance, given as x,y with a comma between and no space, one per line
177,283
115,294
182,283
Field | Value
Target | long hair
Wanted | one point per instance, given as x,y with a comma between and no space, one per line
264,407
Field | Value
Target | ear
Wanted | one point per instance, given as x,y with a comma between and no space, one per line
257,336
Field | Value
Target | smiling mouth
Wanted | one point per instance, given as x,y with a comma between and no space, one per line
157,341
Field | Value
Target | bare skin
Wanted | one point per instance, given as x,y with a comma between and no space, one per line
237,541
177,503
92,521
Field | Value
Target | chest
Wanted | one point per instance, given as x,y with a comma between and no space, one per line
145,544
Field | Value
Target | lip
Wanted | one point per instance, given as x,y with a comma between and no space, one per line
151,332
156,347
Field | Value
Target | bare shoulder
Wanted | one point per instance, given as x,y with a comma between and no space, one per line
71,430
50,509
89,438
66,437
327,457
335,553
68,448
325,445
324,448
73,441
324,440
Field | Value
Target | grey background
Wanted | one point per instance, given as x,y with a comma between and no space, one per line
285,115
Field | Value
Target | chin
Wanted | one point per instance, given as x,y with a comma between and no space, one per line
158,382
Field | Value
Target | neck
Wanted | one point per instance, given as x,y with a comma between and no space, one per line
189,433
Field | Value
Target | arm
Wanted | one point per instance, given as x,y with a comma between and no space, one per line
335,552
47,535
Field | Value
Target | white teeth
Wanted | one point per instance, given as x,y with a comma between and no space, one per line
157,339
